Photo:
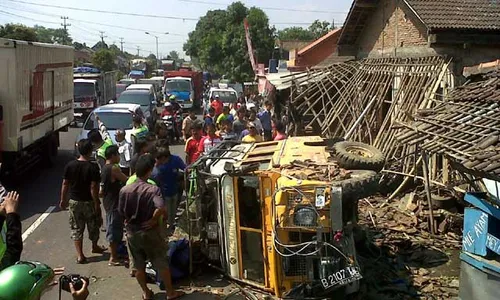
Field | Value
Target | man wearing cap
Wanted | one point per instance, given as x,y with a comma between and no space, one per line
253,135
218,105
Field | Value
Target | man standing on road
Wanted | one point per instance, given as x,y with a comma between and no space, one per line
140,130
265,118
218,105
187,124
141,147
125,150
166,175
80,190
192,144
142,206
112,180
241,123
100,140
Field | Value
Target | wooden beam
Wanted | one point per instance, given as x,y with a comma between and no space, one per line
459,38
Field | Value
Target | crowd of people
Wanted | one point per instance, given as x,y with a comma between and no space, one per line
140,186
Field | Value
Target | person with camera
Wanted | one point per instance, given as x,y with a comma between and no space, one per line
12,246
142,206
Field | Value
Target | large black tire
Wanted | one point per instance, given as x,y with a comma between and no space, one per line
358,156
361,184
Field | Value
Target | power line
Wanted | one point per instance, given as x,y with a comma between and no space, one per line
106,11
86,22
271,8
8,13
102,36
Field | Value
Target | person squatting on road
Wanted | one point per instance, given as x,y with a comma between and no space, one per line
142,206
80,191
112,180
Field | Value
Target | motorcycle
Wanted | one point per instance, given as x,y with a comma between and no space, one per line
174,126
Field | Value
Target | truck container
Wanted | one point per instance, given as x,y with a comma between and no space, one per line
187,97
36,102
92,90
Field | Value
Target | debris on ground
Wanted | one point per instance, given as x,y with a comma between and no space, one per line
399,254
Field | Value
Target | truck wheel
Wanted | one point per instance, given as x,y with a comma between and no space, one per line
358,156
361,184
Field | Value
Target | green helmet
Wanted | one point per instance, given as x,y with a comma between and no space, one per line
25,281
172,97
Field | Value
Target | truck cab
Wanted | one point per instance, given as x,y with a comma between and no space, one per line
279,216
86,98
182,88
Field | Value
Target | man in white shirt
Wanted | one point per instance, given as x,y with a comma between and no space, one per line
124,149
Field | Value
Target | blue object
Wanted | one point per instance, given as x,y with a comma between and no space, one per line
181,96
178,255
167,175
273,65
481,228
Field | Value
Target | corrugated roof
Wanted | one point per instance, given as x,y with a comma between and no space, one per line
458,14
465,128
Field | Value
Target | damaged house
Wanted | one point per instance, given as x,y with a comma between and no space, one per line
409,55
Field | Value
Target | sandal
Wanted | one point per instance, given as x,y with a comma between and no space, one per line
114,263
177,296
150,297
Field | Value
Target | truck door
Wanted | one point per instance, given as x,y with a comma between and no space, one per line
249,220
48,91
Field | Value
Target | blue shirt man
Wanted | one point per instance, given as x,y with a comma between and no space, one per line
265,119
166,174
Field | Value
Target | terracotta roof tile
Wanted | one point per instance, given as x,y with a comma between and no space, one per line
458,14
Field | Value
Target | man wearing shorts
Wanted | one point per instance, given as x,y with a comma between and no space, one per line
80,191
112,180
141,204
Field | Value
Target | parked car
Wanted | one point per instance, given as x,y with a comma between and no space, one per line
127,81
114,117
145,98
227,96
120,88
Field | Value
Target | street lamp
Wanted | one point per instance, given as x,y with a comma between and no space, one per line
156,37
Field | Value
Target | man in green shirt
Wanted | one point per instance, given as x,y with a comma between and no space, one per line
101,140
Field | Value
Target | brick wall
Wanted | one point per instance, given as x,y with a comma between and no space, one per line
390,28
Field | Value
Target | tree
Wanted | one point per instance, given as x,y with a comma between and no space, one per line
18,32
151,57
319,29
295,34
80,46
174,55
218,43
104,59
53,35
99,45
316,30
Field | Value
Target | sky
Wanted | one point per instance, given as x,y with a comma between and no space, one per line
86,26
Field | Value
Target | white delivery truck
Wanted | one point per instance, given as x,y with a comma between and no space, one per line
92,90
36,102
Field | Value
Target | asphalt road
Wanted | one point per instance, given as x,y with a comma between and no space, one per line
49,240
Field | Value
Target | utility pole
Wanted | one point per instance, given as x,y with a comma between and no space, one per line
121,45
102,37
65,25
138,51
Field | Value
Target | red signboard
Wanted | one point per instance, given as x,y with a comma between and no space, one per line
249,45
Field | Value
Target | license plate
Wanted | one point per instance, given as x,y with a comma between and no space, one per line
342,277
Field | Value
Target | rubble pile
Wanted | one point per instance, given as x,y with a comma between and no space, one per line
399,254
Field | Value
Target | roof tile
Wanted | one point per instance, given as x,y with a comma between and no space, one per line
458,14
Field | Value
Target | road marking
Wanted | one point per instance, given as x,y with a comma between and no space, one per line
37,223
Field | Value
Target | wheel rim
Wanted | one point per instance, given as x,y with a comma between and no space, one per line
359,151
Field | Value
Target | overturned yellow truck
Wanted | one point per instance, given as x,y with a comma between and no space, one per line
280,215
